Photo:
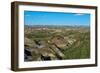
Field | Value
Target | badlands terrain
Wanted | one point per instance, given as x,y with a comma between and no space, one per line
43,43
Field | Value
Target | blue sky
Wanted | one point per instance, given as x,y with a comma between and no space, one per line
55,18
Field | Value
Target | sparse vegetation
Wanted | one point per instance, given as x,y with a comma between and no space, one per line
57,43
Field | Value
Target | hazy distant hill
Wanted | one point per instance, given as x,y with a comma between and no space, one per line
56,26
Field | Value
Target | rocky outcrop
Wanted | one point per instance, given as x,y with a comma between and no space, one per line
37,50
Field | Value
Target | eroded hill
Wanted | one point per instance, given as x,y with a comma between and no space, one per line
56,43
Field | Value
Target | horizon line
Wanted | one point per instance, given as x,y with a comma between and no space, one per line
55,25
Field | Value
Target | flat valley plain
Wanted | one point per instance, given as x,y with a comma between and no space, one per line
44,43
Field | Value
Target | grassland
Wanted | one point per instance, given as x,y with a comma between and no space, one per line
56,43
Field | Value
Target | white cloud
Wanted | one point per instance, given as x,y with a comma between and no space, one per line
79,14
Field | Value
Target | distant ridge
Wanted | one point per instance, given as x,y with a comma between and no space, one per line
57,26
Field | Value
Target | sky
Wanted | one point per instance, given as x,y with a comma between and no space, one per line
56,18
